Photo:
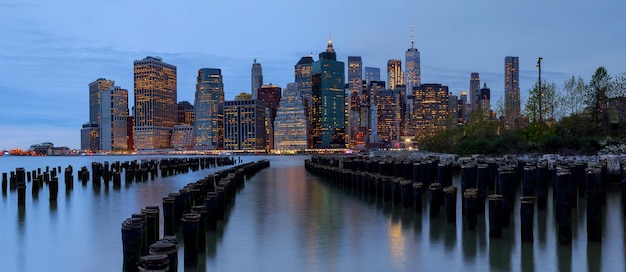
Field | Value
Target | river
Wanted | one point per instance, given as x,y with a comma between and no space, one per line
286,219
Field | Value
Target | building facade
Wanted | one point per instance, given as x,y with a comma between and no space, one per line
208,109
395,76
244,125
90,137
95,91
270,95
185,113
412,68
290,123
114,118
355,88
372,74
389,115
256,78
474,90
511,91
303,75
328,101
431,111
182,137
155,107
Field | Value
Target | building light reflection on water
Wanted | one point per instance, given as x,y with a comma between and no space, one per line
397,247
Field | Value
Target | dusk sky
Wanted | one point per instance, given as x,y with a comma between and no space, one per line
51,50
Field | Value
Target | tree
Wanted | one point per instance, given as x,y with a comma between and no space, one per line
574,96
550,106
617,104
597,98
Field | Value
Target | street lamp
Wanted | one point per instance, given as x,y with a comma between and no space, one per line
540,91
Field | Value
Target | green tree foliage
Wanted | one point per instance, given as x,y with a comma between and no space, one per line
585,118
597,99
574,90
550,102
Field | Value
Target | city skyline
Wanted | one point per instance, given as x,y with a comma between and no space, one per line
54,50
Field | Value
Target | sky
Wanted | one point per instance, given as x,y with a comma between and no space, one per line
51,50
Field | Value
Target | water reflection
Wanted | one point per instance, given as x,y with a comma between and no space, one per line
288,220
564,258
528,257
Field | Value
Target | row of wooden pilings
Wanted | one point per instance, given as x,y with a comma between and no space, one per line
407,184
194,210
133,171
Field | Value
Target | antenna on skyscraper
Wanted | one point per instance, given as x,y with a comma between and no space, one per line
412,35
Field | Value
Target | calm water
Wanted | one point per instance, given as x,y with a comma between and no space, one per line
286,220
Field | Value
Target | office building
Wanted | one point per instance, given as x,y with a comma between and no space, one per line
256,78
95,91
474,90
270,95
412,66
328,101
395,76
244,125
290,127
243,96
155,107
431,111
114,117
372,74
389,115
484,100
185,113
90,137
355,88
208,109
182,137
511,91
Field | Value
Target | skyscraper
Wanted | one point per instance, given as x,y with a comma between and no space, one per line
302,72
511,91
431,112
355,86
355,74
389,115
208,109
412,66
95,91
328,100
270,95
155,103
114,115
90,134
372,74
395,76
290,123
484,101
244,125
257,78
474,90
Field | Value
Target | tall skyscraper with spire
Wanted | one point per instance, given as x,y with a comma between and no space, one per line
208,109
511,90
328,100
395,76
412,66
257,78
156,108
